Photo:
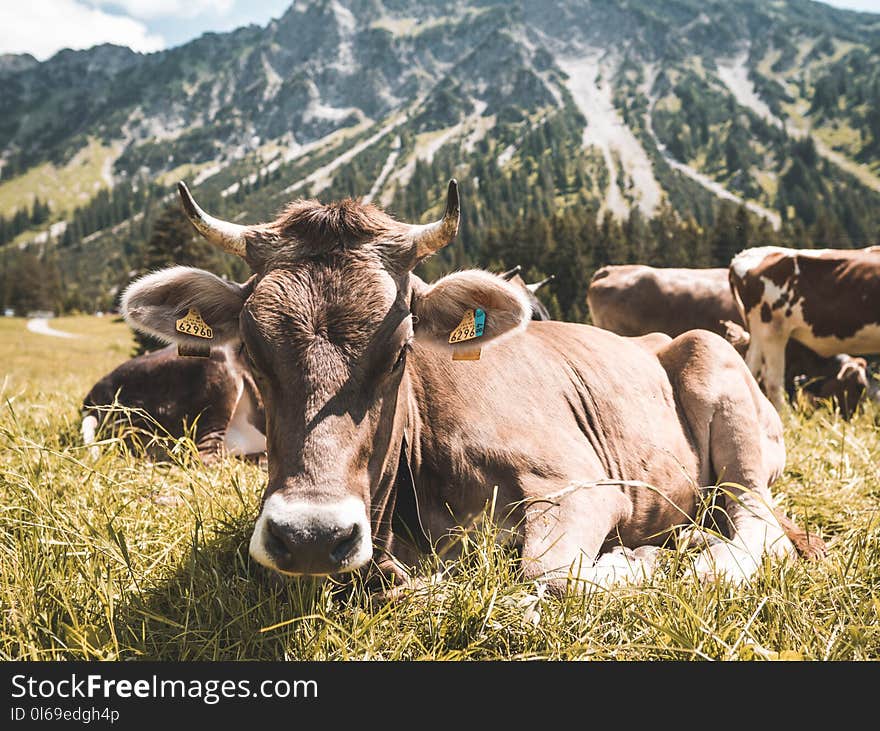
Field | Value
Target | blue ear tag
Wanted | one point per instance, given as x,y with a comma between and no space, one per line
479,322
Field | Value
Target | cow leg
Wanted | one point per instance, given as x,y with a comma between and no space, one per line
563,535
741,436
755,358
765,358
808,545
774,372
211,447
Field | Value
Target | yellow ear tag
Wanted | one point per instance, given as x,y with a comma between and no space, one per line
193,324
471,327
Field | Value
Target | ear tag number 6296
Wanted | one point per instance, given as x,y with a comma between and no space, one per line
471,326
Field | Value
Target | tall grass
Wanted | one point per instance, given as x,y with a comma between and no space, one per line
122,559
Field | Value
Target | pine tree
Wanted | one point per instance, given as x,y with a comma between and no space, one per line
174,241
26,279
39,212
52,284
725,240
611,247
742,232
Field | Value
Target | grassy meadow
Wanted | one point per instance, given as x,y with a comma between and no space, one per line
123,559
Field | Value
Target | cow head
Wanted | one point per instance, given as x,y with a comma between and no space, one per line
327,325
539,311
846,382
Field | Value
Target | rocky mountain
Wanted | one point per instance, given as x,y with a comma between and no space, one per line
623,107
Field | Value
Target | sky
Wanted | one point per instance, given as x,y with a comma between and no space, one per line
43,27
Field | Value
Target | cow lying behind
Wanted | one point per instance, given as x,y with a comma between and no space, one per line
635,300
217,394
590,440
539,311
840,379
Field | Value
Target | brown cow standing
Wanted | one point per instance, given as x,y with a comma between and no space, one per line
591,440
217,394
635,300
827,300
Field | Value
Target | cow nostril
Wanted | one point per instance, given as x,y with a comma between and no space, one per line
346,544
276,539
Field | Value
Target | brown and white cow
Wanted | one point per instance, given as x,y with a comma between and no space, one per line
171,393
635,300
590,440
827,300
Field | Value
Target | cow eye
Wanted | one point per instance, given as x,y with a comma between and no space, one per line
401,358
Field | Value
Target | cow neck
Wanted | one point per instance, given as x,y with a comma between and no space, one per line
406,514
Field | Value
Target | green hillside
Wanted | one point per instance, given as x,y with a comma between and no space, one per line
583,132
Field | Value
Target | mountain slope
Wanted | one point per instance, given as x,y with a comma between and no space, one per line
615,106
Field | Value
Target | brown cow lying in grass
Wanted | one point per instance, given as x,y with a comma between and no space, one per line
593,441
164,394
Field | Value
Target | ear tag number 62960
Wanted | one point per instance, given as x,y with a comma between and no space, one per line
193,324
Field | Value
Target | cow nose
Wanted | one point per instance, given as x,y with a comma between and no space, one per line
280,538
298,538
308,548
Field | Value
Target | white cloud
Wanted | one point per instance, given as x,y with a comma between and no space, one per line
42,27
149,9
868,6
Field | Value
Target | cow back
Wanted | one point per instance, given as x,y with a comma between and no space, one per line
171,390
635,300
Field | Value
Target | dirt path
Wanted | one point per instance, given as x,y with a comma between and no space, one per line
40,326
322,177
735,75
424,151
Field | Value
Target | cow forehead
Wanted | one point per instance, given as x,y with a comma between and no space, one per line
344,299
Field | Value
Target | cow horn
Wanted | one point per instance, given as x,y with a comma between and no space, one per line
511,273
228,236
434,236
535,286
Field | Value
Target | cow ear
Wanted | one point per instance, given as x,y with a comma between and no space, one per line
440,309
185,306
